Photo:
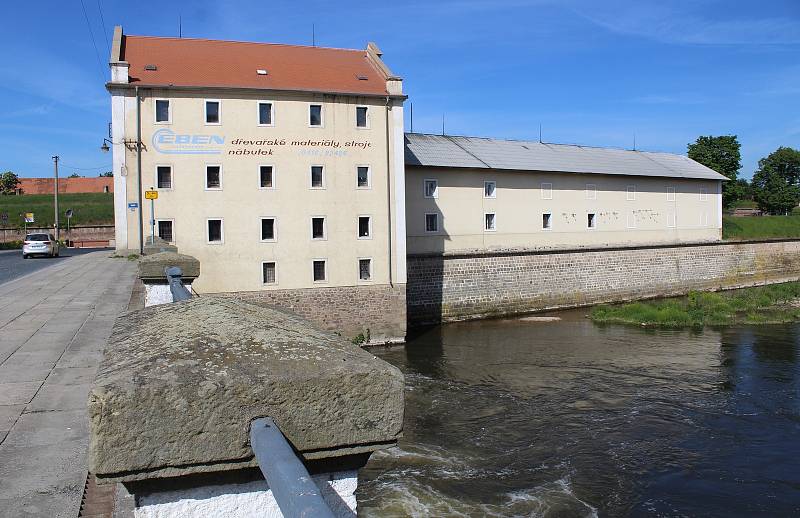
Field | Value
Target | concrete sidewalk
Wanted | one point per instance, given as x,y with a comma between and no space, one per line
54,324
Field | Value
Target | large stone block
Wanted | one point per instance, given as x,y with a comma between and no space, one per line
151,267
180,384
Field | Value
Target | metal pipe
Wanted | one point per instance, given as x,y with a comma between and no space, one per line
176,287
297,495
389,189
139,167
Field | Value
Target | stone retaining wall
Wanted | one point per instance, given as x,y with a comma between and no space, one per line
455,286
79,233
377,311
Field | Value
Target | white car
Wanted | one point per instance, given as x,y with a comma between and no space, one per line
39,244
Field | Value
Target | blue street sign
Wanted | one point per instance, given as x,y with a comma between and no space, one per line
133,205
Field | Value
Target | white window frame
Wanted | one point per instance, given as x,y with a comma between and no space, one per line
630,220
205,178
425,188
546,191
369,177
276,273
672,219
438,223
155,111
371,270
630,193
258,114
311,177
205,112
549,220
221,231
594,219
158,230
591,191
274,177
324,260
494,220
703,194
356,114
321,115
274,229
670,193
494,191
171,177
324,228
358,226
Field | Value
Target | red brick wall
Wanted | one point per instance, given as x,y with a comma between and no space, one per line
66,185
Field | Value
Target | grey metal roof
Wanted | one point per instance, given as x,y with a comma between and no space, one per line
520,155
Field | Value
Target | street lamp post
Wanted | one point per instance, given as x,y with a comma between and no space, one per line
55,194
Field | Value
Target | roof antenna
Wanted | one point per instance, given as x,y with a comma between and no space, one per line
443,124
313,36
180,27
412,116
540,133
634,141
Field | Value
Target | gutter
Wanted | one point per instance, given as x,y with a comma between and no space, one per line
119,86
139,167
389,191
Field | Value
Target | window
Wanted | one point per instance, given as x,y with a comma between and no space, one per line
547,221
431,223
163,112
703,194
591,220
591,191
214,230
266,177
489,222
671,220
319,270
264,113
317,177
213,177
213,112
489,189
164,177
631,194
315,115
267,229
431,188
365,269
318,227
361,117
268,274
670,193
547,191
364,227
164,227
363,177
631,223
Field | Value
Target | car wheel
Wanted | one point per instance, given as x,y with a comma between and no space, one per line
24,256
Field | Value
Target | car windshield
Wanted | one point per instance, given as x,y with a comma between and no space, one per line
37,237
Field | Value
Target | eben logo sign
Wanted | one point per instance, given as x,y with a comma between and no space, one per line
168,142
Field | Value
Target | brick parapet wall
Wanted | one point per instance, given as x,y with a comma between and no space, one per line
476,285
377,310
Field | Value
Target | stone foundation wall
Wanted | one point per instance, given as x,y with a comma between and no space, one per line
376,312
455,286
80,233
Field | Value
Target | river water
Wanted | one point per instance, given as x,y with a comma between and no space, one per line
567,418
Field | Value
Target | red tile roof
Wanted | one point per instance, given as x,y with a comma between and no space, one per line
184,62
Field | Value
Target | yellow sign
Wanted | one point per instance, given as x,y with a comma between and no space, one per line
150,195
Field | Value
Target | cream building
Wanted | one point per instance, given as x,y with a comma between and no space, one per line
279,167
468,194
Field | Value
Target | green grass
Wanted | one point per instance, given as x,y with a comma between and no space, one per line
771,304
88,209
760,227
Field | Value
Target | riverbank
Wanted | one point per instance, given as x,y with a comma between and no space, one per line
773,304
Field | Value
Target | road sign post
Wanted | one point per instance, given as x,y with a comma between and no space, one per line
152,195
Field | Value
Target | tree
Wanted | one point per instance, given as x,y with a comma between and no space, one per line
777,181
722,154
107,174
8,183
74,175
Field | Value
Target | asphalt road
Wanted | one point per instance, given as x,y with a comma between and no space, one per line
12,265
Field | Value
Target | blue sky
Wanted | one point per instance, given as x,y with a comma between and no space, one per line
591,72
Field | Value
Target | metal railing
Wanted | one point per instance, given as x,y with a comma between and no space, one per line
294,491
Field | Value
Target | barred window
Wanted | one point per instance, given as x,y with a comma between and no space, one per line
268,272
164,177
319,270
365,269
